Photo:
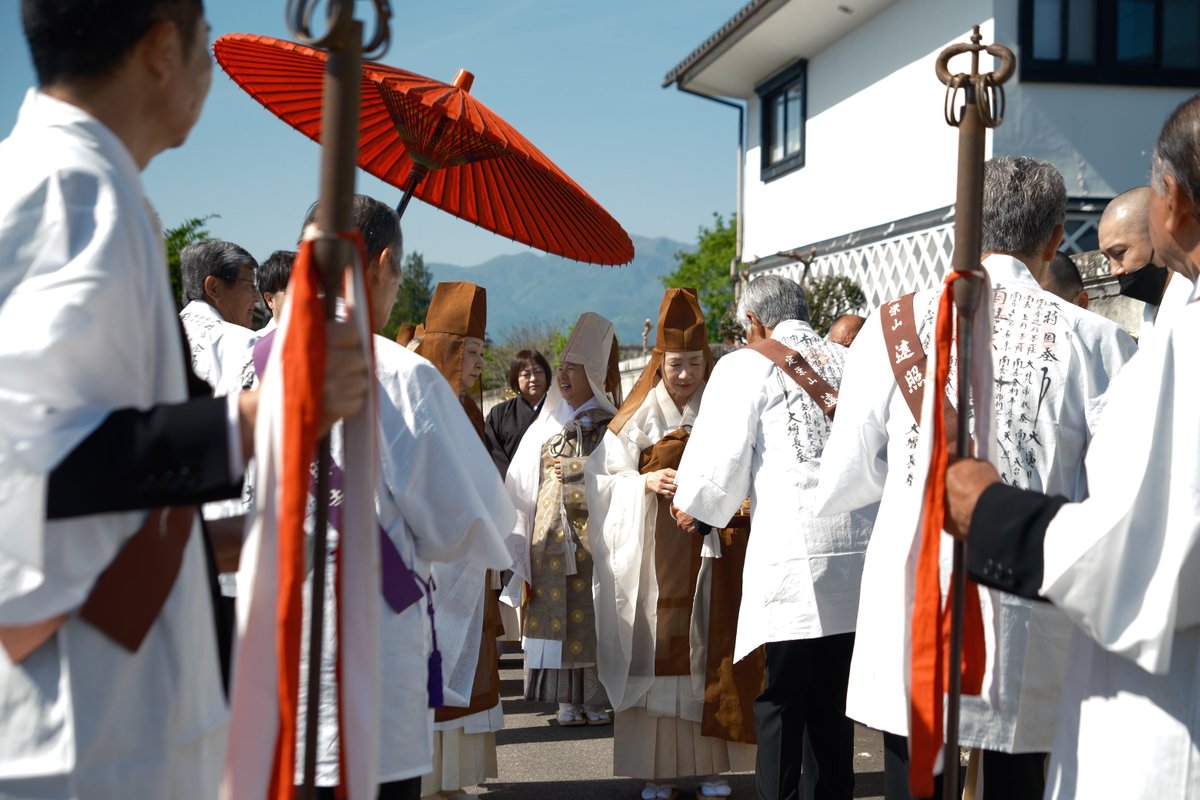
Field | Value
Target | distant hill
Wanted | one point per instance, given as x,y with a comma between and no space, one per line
530,287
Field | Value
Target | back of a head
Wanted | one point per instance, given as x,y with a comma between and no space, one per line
71,40
772,299
377,223
1024,200
845,328
213,257
1175,153
1063,278
276,271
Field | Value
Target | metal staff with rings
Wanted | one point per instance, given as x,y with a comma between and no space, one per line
974,102
332,251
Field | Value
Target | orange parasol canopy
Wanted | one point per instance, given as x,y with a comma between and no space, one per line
437,141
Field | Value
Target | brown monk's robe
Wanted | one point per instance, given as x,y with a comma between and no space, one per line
729,689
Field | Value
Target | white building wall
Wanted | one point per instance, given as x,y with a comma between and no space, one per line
878,148
1100,137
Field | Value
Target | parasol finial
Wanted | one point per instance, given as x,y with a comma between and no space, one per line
464,80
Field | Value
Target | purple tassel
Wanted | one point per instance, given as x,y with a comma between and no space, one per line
435,680
436,697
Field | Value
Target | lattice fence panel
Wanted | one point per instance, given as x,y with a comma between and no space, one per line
889,268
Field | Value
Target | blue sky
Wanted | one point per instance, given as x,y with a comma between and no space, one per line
581,79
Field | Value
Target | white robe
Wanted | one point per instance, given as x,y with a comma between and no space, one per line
1043,420
223,357
222,352
87,326
759,433
1124,566
439,499
624,514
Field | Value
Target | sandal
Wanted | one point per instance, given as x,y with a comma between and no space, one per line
598,717
715,788
650,792
570,718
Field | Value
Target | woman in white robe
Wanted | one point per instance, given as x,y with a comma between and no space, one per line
552,562
651,653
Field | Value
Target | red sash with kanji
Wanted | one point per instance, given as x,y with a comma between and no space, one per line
930,627
799,370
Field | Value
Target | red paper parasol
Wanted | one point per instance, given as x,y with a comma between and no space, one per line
474,165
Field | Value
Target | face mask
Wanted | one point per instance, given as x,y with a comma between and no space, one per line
1147,284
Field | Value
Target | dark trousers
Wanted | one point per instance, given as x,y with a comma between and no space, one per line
803,706
397,790
1005,776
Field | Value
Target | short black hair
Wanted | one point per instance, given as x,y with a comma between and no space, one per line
222,260
523,359
1062,277
276,271
70,39
1176,150
377,223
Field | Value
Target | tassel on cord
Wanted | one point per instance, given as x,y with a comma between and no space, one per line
436,698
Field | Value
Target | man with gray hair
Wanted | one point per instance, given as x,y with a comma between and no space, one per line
1051,361
1121,564
220,290
761,432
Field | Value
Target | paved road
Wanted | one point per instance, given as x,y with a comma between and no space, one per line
538,760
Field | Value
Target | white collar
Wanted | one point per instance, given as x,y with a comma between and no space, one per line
1003,268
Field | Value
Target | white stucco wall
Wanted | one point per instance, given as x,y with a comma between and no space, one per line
879,150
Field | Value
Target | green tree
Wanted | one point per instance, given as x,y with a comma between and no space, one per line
412,301
829,297
177,238
707,270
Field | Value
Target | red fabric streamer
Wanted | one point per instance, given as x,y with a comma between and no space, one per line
303,366
930,632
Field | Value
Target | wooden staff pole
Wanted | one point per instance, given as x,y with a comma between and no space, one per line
339,148
973,118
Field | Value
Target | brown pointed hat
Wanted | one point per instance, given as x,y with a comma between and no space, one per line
457,310
681,329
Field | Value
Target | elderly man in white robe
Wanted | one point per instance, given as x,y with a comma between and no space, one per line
1052,362
1124,564
219,285
761,432
111,685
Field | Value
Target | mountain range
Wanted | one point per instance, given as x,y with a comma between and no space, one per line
528,289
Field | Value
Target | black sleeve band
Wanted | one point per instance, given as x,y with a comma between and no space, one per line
169,455
1004,545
